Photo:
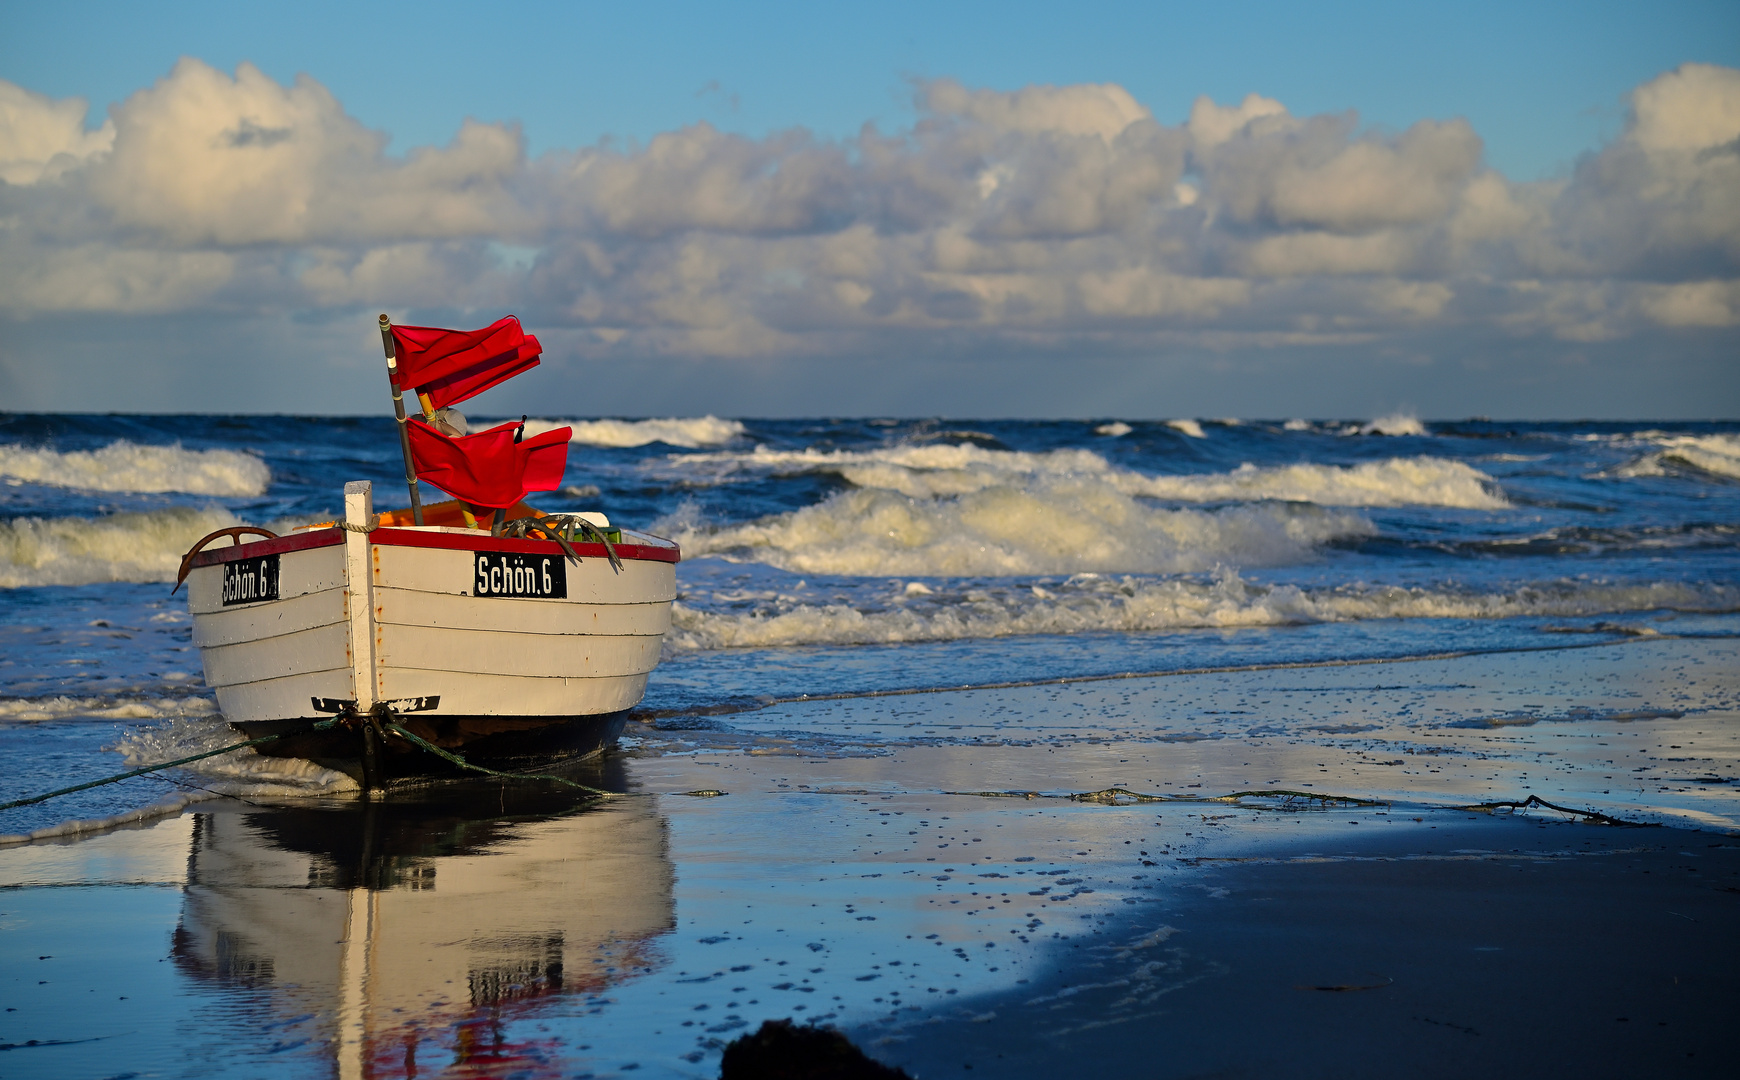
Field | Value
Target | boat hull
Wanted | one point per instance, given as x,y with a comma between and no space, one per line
518,650
508,743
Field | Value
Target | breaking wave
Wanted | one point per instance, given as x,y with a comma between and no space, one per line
941,470
1718,455
1394,424
131,467
138,547
693,432
61,707
240,772
1419,481
1063,525
1089,602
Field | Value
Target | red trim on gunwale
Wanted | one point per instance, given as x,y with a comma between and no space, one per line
480,541
293,542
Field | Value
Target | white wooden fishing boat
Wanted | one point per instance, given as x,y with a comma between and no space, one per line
502,647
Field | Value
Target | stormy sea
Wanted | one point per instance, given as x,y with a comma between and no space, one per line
882,629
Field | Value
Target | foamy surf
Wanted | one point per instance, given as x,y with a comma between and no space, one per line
62,707
1393,424
138,547
124,466
691,432
240,772
1058,525
1089,603
1718,455
932,471
1418,481
66,830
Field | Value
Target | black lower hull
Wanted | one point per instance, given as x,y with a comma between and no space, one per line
508,743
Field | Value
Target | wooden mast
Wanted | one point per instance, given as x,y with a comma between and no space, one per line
399,412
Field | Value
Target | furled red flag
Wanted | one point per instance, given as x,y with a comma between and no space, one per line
452,365
488,468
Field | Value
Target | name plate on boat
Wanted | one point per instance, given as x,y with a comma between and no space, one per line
249,581
505,574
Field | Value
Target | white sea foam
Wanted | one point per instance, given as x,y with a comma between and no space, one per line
1418,481
104,708
164,807
1127,604
131,467
691,432
1114,429
1394,424
1718,455
1188,427
1056,525
120,547
935,470
240,772
1296,425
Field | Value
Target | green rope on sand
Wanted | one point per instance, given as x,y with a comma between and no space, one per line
154,768
322,725
1119,795
1536,800
1115,796
1285,793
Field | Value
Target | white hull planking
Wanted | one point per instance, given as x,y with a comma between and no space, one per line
423,634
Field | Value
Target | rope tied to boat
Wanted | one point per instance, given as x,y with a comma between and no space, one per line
374,523
562,528
386,718
319,725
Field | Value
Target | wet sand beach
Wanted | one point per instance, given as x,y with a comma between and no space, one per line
912,870
1487,947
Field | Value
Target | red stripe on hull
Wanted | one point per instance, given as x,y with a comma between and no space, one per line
480,541
253,548
484,542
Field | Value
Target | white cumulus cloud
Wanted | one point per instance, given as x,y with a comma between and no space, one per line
1050,217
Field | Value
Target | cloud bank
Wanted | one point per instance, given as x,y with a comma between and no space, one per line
1051,217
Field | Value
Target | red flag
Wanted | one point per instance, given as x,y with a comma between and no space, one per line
452,365
488,468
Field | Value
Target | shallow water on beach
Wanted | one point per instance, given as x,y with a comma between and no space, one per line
900,647
852,556
881,864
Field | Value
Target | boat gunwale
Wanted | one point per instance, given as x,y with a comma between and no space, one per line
459,540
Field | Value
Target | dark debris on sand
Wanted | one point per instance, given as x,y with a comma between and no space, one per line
782,1050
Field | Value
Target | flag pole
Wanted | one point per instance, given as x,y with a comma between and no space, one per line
399,412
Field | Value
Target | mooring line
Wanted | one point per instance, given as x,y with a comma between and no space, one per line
318,726
323,725
1120,796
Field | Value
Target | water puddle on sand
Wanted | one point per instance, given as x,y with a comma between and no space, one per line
850,876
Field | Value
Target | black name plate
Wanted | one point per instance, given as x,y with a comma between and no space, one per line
541,577
249,581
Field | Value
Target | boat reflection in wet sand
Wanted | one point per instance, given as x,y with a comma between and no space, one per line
398,938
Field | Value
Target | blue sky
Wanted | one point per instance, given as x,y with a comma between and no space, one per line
1060,188
1541,82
